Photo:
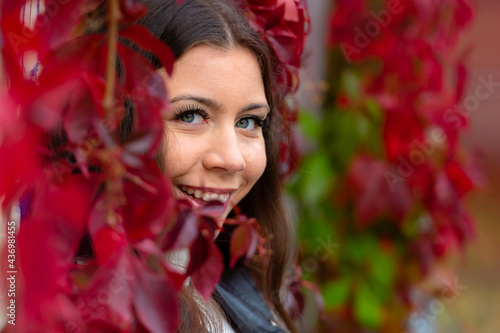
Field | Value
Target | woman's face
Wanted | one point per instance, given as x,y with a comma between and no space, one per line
215,148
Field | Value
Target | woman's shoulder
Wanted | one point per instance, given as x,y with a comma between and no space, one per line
244,303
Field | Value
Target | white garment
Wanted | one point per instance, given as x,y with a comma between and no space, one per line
227,327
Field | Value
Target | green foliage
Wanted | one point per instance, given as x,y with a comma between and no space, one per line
336,292
367,307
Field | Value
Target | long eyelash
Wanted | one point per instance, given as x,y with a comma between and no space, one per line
190,108
262,120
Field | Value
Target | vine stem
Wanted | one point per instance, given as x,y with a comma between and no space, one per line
113,17
114,183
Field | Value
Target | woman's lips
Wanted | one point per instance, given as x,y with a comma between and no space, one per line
199,197
204,194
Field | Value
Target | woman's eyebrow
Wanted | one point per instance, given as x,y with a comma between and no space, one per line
210,103
253,106
213,104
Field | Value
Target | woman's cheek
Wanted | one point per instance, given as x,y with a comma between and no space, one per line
257,160
179,151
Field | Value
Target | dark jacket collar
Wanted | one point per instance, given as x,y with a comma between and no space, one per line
244,304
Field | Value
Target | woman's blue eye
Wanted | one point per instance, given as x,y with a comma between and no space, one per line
191,115
246,122
252,122
188,117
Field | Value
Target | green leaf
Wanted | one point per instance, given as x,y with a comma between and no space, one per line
374,110
351,83
336,292
309,124
359,249
309,230
367,307
363,125
383,267
342,140
317,177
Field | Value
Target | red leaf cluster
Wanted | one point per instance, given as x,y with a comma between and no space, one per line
405,48
284,25
84,181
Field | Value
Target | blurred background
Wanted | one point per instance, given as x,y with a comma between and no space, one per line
439,279
478,267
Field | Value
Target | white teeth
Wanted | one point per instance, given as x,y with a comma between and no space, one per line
206,196
223,197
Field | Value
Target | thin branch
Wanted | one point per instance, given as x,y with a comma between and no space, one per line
113,17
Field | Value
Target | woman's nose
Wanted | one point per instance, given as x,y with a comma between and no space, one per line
224,152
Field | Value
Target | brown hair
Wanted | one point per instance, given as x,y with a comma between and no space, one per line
221,24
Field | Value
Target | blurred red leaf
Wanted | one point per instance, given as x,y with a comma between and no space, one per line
84,109
184,231
107,297
205,266
464,13
146,41
372,194
108,242
149,248
61,79
19,144
147,209
243,242
54,228
145,89
459,178
132,9
155,301
402,128
56,24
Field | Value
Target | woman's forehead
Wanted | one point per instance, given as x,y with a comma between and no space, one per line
218,74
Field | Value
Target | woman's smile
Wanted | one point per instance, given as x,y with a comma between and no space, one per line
206,194
219,199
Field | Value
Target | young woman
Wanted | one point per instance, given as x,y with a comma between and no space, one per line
221,144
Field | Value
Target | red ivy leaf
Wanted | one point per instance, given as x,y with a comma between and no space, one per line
132,9
149,247
84,110
205,266
459,178
56,24
145,40
155,301
60,81
148,206
108,242
48,240
145,89
402,128
373,195
18,142
107,298
464,13
184,232
243,242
